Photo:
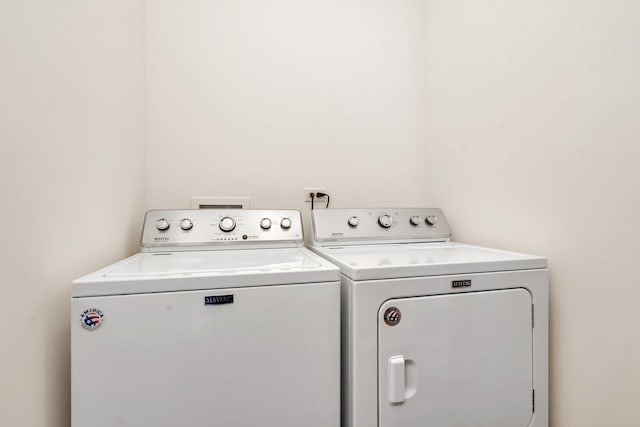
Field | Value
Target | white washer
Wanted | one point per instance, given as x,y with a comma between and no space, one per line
435,333
222,319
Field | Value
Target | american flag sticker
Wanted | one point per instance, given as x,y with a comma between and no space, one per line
91,319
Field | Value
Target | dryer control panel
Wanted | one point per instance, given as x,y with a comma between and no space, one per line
217,229
331,227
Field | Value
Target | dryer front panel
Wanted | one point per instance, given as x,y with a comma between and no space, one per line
456,360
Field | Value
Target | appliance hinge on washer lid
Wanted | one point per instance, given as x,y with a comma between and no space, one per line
533,318
533,400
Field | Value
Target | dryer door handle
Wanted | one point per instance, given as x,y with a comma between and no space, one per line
396,376
402,379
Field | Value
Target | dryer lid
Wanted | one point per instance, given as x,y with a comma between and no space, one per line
370,262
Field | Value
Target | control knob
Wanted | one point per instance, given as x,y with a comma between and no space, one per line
162,224
227,224
385,220
186,224
415,220
286,223
265,223
431,220
353,221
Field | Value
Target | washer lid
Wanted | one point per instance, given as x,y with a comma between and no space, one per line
180,271
370,262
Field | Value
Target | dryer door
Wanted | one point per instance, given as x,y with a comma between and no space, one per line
456,360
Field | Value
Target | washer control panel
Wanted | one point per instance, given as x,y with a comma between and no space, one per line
392,225
167,230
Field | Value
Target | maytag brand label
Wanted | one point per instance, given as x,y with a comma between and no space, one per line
218,299
461,283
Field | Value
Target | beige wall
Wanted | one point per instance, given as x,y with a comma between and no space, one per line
533,130
71,181
262,98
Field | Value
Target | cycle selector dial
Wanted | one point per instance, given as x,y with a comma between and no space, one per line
286,223
186,224
385,220
227,224
431,220
415,220
265,223
353,221
162,224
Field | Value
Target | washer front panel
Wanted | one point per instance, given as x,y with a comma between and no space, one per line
456,360
263,356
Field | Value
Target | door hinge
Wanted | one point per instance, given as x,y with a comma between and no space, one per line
533,317
533,400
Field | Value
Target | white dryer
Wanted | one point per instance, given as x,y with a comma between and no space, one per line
223,319
435,333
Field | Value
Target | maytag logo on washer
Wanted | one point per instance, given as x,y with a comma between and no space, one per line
91,319
218,299
461,283
392,316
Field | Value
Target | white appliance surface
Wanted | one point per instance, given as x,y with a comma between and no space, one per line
435,332
167,359
192,270
366,262
481,377
239,329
